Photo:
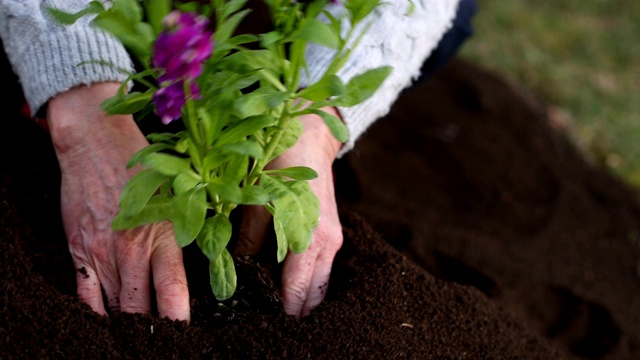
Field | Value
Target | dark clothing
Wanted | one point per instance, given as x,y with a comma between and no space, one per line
451,41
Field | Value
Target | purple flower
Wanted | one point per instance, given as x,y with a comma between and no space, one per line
180,51
169,101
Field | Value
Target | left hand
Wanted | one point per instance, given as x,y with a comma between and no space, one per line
305,276
92,150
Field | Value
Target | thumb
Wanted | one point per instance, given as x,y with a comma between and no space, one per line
256,221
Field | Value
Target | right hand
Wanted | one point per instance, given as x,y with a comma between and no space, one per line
93,149
305,277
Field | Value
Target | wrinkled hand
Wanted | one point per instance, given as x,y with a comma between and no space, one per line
93,150
305,276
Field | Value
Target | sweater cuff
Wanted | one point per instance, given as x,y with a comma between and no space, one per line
54,63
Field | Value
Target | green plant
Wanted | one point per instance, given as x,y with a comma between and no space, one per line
239,99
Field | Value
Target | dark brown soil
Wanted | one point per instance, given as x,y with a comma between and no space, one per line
472,230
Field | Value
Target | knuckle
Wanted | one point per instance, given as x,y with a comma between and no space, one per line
85,292
295,295
329,236
135,308
172,288
132,252
97,248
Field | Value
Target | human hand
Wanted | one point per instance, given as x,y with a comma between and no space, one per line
305,276
93,149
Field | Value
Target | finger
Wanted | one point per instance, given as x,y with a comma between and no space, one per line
305,277
296,278
110,282
170,281
256,221
88,288
95,272
109,279
135,277
319,283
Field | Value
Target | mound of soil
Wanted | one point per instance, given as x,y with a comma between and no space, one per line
472,230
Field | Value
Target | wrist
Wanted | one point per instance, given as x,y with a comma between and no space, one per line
75,118
316,131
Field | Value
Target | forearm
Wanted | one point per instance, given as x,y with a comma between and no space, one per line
394,38
46,56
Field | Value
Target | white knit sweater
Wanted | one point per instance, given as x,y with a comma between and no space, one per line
45,54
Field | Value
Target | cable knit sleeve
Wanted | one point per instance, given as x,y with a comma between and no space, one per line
46,56
396,37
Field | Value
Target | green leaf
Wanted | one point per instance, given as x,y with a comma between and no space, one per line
127,103
224,86
314,7
315,31
229,192
188,216
231,7
270,38
361,87
214,236
241,129
214,159
220,111
183,183
247,148
335,25
222,275
328,86
117,24
281,240
130,9
360,9
142,114
294,172
137,37
210,125
259,101
146,151
335,125
188,6
183,145
248,61
290,134
236,169
254,195
166,164
228,27
137,192
411,8
158,208
146,36
296,207
167,138
65,18
156,11
242,39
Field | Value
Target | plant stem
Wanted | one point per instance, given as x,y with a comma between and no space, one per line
271,146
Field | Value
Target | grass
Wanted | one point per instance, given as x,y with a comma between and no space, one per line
580,57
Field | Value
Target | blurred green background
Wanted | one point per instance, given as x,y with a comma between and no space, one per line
582,58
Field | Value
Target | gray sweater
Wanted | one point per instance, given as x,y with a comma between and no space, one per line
45,55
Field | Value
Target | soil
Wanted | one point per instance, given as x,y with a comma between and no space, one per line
473,230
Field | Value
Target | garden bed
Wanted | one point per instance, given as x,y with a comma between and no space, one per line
472,230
